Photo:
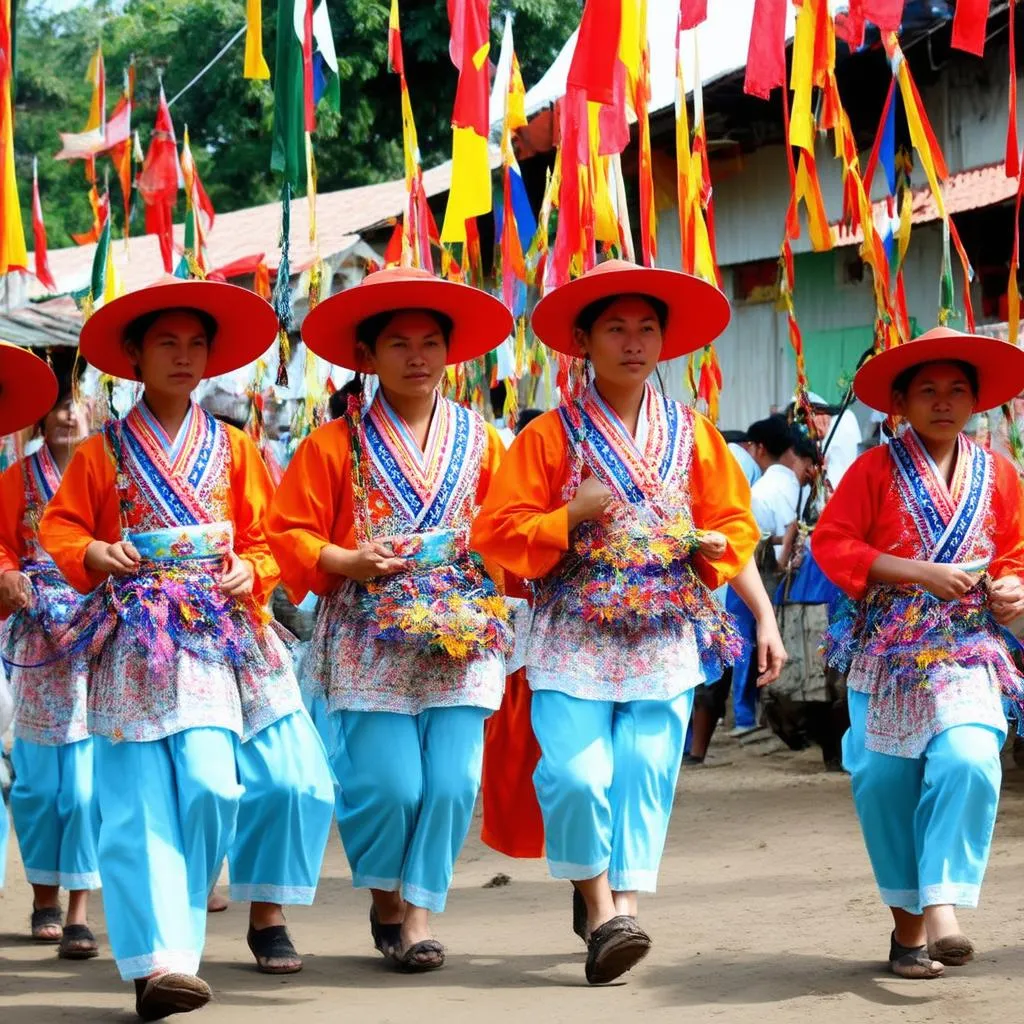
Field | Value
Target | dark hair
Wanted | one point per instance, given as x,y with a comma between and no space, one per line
138,328
773,433
804,447
901,385
370,329
735,436
588,315
338,401
69,368
526,417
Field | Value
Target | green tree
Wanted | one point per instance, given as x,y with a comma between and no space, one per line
230,118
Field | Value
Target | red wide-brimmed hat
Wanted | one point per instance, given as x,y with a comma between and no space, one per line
1000,367
480,322
246,324
28,388
697,311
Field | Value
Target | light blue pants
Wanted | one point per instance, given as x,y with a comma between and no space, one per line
285,815
56,813
927,821
5,829
606,782
327,726
167,810
408,787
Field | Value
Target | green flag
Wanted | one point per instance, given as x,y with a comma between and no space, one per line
294,65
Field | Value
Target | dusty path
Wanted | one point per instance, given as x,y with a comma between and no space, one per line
767,914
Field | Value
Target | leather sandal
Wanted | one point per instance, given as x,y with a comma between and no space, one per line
273,943
913,961
615,948
77,943
159,997
952,950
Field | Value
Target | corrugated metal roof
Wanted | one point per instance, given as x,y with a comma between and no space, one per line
968,190
38,327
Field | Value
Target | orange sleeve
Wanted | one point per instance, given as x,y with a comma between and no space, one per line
12,512
251,491
311,509
491,460
1009,521
84,509
720,500
841,539
524,524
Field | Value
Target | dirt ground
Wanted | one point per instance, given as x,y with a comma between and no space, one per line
767,914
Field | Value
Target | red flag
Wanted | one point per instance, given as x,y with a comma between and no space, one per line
597,51
969,23
850,25
766,56
309,101
692,13
470,24
43,274
612,118
395,59
886,14
1012,156
158,182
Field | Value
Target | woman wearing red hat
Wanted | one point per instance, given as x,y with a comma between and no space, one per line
626,510
373,515
28,388
196,714
53,801
926,535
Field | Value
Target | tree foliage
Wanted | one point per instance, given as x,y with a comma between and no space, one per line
229,118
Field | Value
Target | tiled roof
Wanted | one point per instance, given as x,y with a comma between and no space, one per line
245,233
967,190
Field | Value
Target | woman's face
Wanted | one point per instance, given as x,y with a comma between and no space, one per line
173,356
67,423
624,344
938,403
410,355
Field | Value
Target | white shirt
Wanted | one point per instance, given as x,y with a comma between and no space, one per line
843,449
751,470
775,501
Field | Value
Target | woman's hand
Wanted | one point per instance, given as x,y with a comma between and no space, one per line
590,501
237,577
947,582
712,544
15,591
771,653
1006,599
118,559
367,562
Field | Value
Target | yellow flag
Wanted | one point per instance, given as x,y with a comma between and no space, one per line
470,194
113,286
255,63
801,122
13,254
97,76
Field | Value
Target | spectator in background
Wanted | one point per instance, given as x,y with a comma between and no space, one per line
846,437
739,441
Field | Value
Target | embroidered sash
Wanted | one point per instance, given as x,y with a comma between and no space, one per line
637,469
42,478
166,482
949,519
432,487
